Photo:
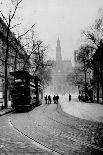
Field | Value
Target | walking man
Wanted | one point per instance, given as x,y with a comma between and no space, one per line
49,99
69,97
46,99
54,99
57,98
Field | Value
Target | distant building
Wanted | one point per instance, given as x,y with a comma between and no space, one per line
16,52
59,73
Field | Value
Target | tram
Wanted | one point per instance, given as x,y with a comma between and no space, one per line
25,91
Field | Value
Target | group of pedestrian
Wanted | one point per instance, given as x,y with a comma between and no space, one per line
55,99
48,99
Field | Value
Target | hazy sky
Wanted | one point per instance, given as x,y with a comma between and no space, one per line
60,18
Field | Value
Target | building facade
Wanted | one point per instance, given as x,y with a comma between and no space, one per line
98,73
16,58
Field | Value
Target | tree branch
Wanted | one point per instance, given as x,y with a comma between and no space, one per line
4,17
30,55
14,26
15,10
23,33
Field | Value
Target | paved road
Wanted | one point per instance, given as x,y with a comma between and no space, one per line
14,143
63,133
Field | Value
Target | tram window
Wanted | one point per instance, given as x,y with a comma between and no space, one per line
23,80
18,80
33,91
32,80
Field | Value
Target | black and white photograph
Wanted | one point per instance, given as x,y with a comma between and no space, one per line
51,77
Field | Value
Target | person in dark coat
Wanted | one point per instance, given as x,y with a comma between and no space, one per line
46,99
57,98
79,97
54,99
49,99
69,97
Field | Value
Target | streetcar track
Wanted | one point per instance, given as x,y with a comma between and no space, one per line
35,142
38,143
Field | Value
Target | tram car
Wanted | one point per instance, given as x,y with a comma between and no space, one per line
25,91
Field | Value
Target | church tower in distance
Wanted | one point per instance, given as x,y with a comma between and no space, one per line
59,64
60,71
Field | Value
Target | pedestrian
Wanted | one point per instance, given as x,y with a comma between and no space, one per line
49,99
69,97
46,99
79,97
54,99
57,98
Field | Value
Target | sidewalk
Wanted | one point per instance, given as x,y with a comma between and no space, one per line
5,111
89,111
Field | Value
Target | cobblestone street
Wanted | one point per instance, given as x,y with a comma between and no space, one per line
14,143
60,132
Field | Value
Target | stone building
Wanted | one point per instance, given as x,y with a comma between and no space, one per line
16,58
59,73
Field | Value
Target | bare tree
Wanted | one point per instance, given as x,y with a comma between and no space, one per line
11,40
93,37
37,52
76,77
39,65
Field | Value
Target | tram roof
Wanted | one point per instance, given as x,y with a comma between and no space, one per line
24,74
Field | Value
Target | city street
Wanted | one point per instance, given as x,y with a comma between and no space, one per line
52,128
61,132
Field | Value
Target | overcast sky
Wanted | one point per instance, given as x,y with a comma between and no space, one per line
60,18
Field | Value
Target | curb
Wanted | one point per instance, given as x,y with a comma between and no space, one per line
6,112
